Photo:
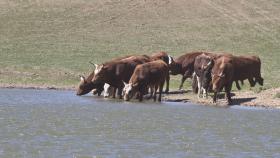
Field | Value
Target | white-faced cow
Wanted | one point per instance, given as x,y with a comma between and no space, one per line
115,72
86,85
152,74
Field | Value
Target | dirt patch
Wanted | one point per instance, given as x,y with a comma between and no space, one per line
265,98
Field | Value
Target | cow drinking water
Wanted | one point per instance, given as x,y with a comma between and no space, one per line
152,74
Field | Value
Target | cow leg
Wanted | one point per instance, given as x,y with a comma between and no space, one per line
114,92
182,82
120,89
99,93
205,94
167,84
151,92
259,80
215,97
194,84
155,92
160,91
199,86
237,85
228,89
140,96
252,82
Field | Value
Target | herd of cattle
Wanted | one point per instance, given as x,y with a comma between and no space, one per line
138,75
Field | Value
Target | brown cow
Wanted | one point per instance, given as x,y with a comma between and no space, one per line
86,85
168,60
248,67
151,74
233,68
115,72
202,76
184,65
222,76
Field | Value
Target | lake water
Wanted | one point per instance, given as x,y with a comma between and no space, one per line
58,124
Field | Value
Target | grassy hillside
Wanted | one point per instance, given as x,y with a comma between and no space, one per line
49,42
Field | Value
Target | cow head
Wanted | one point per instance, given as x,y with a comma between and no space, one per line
84,87
108,90
206,73
129,91
218,80
175,68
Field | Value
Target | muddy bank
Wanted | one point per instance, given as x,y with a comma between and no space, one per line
264,98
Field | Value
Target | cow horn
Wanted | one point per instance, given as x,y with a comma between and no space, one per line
124,83
209,63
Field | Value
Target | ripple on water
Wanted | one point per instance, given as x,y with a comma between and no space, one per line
47,123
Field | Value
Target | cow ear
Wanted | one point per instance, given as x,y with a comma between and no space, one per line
101,66
98,68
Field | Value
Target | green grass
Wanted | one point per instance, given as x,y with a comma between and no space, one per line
47,42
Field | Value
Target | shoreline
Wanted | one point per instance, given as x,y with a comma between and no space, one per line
39,87
264,99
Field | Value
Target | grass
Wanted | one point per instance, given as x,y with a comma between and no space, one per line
47,42
277,95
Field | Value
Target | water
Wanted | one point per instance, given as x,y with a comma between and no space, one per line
54,124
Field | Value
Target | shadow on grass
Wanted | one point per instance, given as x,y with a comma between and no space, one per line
238,101
177,92
177,100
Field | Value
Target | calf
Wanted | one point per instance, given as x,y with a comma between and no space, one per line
168,60
152,74
115,72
